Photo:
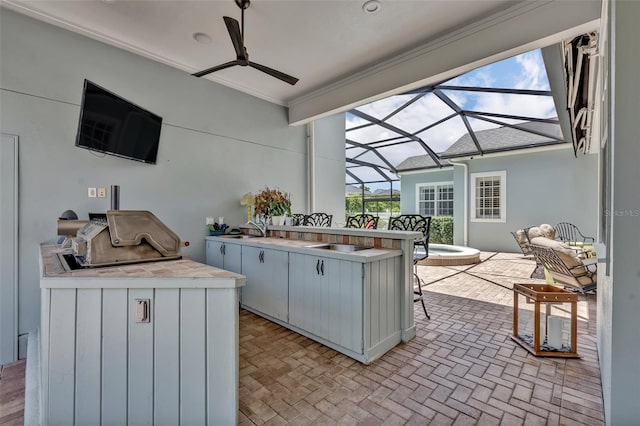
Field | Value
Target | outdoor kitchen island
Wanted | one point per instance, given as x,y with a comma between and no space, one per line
132,343
349,289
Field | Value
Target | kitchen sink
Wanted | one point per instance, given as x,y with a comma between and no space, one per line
239,237
338,247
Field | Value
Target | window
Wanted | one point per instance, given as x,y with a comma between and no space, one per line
488,200
435,199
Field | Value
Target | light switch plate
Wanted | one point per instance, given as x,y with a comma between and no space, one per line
91,192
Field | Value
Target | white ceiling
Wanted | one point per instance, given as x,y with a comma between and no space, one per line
319,41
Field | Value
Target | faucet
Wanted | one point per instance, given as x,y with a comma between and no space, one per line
262,229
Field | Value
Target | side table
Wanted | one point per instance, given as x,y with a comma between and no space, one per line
550,343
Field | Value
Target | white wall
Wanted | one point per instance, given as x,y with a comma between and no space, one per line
621,309
329,168
216,143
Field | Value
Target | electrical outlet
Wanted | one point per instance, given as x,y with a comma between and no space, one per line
209,220
102,192
91,193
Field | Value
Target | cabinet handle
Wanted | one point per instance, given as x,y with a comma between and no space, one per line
318,267
222,249
322,267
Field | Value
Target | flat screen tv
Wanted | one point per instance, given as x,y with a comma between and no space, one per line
113,125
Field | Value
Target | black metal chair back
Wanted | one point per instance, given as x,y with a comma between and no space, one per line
568,232
297,219
365,220
411,222
415,222
318,219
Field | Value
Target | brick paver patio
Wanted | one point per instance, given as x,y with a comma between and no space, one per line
462,367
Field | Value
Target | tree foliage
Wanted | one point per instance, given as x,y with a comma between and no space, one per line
373,204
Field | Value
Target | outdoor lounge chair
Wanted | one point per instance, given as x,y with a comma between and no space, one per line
522,238
365,220
567,268
570,234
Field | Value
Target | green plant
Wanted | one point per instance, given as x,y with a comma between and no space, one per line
272,202
441,231
280,208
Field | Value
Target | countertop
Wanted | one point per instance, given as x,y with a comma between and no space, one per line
305,247
181,273
358,232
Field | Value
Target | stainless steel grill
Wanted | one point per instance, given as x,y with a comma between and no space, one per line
127,236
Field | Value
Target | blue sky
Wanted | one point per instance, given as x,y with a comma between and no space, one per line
525,71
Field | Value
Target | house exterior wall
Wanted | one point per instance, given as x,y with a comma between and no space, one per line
409,181
541,187
408,197
458,206
216,143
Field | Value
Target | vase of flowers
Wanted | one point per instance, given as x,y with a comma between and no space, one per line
274,204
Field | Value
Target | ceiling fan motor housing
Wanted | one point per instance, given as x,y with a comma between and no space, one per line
243,4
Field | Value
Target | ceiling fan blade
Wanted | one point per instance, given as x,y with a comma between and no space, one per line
216,68
236,36
274,73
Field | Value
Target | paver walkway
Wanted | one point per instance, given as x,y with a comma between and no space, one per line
462,367
12,393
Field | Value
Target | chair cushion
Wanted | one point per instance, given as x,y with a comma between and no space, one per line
544,230
569,256
548,231
521,236
534,232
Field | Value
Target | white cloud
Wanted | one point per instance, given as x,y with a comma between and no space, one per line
533,74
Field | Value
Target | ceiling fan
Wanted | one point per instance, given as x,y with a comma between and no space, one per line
237,38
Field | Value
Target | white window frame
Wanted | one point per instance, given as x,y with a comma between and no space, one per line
435,186
502,174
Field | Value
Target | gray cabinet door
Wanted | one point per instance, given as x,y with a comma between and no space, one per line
326,298
304,292
232,257
224,256
213,254
267,286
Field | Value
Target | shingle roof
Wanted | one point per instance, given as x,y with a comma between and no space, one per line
419,162
502,138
